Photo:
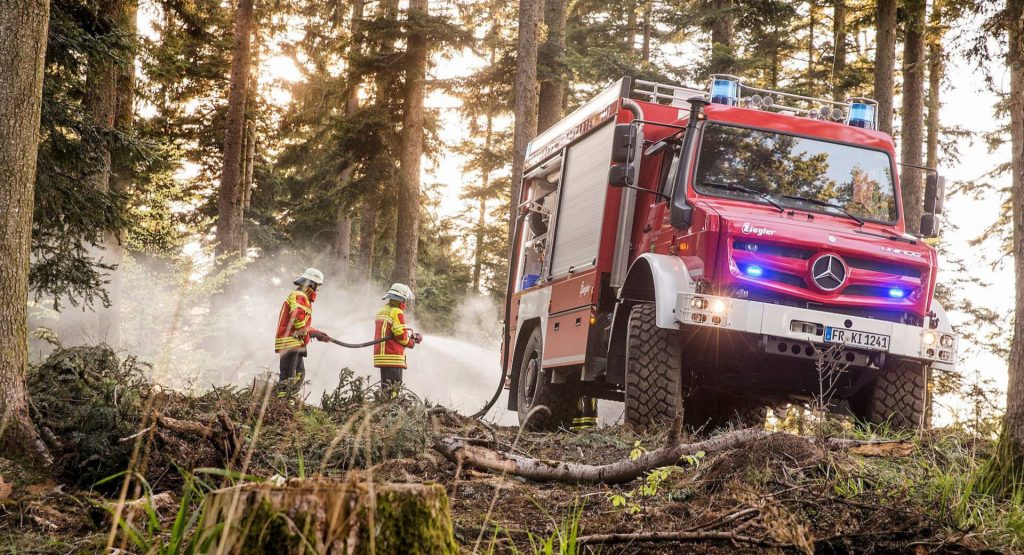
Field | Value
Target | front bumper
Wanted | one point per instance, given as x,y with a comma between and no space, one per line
935,347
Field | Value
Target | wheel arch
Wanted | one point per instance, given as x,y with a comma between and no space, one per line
525,329
652,278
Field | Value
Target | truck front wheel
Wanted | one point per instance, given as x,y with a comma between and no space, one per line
898,397
654,370
559,401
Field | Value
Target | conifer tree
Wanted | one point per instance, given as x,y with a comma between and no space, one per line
885,62
230,201
23,40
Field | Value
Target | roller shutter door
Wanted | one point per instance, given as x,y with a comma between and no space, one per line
581,202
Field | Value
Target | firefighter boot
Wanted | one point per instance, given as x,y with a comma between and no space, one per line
586,415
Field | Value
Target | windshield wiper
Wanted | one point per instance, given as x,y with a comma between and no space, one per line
825,203
740,188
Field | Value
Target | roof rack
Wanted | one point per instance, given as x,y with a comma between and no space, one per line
730,90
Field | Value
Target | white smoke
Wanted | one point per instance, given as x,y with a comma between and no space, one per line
172,317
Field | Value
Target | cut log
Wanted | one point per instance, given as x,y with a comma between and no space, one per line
328,518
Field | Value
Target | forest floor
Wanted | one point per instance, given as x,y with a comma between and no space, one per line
780,492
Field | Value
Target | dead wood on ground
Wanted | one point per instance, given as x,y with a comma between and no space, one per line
468,452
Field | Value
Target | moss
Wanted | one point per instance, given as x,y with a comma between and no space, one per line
410,521
270,531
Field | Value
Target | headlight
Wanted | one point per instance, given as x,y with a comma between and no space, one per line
698,303
929,338
947,341
718,307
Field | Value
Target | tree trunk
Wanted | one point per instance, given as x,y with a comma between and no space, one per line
550,65
936,67
525,99
22,47
885,61
342,243
230,201
111,105
629,37
478,255
645,47
367,237
1013,421
839,50
327,517
411,151
343,215
812,13
248,164
912,131
721,36
100,107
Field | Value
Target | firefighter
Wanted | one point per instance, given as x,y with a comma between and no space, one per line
294,325
389,355
586,415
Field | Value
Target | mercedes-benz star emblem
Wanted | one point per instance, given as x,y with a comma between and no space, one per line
829,272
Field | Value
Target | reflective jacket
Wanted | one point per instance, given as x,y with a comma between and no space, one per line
294,322
391,353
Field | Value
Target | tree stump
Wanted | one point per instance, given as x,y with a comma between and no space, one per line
328,518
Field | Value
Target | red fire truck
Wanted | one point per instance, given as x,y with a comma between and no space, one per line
716,253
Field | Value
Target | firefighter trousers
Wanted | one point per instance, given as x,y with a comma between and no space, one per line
292,364
390,376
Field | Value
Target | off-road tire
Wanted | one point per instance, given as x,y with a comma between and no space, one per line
561,400
654,370
897,397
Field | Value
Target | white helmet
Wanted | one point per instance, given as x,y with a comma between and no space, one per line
311,275
399,292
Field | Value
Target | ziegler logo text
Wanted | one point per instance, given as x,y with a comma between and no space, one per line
759,231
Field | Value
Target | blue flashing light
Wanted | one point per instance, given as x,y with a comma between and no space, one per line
862,115
754,271
725,91
897,293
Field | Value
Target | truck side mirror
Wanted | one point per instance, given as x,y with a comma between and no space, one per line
930,225
934,193
621,176
624,143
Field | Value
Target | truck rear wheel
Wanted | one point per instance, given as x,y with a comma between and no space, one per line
536,390
898,396
654,370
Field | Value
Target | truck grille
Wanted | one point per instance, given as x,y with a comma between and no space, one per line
882,276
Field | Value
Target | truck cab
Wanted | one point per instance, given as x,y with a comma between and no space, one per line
710,254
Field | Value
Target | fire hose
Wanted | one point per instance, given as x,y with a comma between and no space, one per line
360,345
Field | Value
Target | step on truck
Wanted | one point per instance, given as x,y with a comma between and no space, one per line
716,253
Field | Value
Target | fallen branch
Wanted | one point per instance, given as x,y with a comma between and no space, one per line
461,451
674,537
184,426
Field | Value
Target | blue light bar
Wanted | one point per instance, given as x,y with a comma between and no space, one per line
897,293
862,115
753,271
725,91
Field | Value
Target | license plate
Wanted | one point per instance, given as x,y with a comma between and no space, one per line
854,338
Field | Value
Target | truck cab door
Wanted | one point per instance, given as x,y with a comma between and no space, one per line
657,233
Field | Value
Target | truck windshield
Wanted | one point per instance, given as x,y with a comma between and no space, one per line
789,168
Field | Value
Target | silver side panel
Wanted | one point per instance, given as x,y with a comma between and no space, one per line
581,202
534,304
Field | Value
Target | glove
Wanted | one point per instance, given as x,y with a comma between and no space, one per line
319,335
417,338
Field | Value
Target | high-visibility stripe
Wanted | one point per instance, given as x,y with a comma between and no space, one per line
389,358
